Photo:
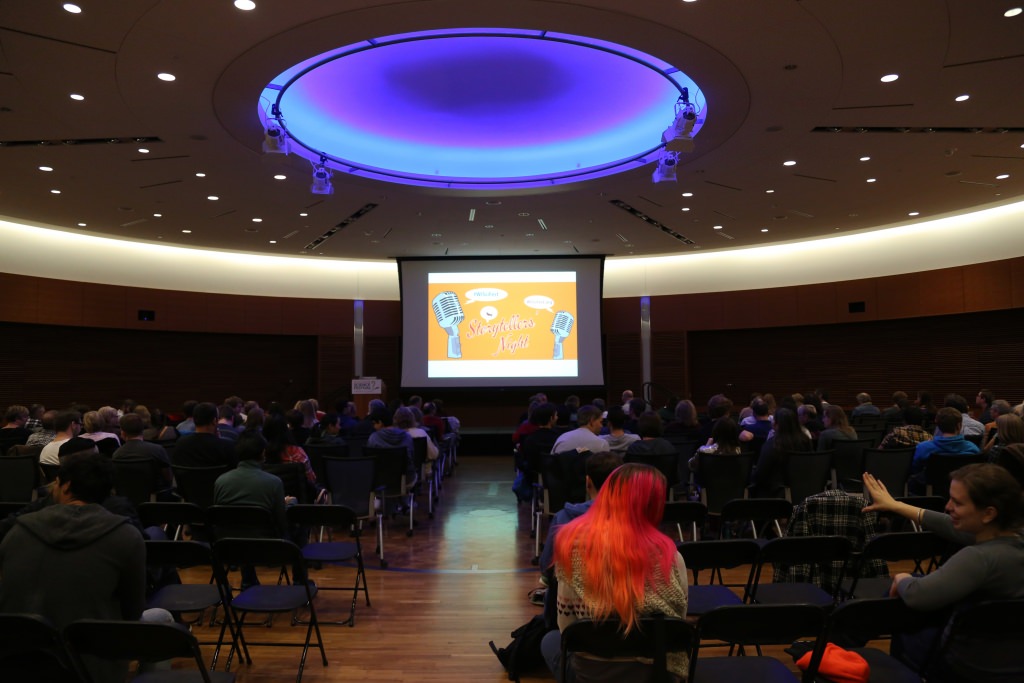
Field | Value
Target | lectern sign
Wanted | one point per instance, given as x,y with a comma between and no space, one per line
367,385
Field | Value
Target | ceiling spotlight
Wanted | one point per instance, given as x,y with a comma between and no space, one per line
889,78
72,8
200,175
962,98
280,176
54,191
678,137
245,5
789,163
321,178
143,150
865,158
166,77
1002,176
213,197
275,138
46,168
914,213
1012,12
76,97
666,170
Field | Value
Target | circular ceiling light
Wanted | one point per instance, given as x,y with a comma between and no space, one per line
889,78
164,76
480,108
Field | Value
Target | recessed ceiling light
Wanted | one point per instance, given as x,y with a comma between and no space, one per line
303,214
870,180
435,234
769,191
143,150
687,194
1002,176
76,97
187,232
962,98
164,76
280,176
213,197
865,158
914,213
200,175
789,163
273,241
158,215
257,220
50,168
54,191
81,225
72,7
889,78
764,229
718,227
245,5
686,208
1012,12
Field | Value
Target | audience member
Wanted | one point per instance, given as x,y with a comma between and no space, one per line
969,426
984,401
599,576
136,448
864,407
585,437
35,417
950,441
187,426
894,413
405,419
719,406
14,432
433,422
47,433
158,429
386,435
281,447
651,443
999,407
1009,431
66,425
789,436
837,428
761,425
203,448
617,437
94,428
685,424
226,423
329,433
809,422
537,444
297,424
254,419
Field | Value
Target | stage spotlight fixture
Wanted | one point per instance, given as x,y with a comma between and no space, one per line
666,170
321,178
275,137
678,137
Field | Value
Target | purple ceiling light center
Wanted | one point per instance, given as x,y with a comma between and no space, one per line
479,108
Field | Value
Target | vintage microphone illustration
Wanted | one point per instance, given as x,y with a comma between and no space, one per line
448,312
561,326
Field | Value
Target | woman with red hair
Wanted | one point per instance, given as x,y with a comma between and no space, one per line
613,561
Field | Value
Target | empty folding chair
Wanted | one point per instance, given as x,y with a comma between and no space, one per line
688,514
801,557
714,556
917,546
763,515
658,638
340,519
31,649
118,641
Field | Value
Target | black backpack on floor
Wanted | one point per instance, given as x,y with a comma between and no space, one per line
523,654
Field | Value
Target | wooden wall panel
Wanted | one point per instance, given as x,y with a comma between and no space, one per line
335,368
816,303
943,354
854,292
899,296
382,358
668,366
942,292
623,365
621,316
986,286
1016,283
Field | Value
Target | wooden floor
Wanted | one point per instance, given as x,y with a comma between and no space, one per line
461,580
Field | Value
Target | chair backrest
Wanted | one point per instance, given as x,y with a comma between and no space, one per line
24,450
666,464
848,461
19,475
242,521
983,642
807,474
939,466
108,445
270,552
760,625
181,554
564,479
653,638
176,514
728,554
356,445
890,466
874,435
350,481
134,640
293,476
725,478
392,466
31,649
334,516
195,484
135,479
874,618
686,513
419,452
976,439
317,453
758,511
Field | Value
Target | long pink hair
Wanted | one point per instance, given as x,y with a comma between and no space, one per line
619,543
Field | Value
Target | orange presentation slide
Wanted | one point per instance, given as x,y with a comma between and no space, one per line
495,321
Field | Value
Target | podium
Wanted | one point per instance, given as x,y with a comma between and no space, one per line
364,390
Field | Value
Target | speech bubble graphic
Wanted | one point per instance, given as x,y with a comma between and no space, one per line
540,302
485,294
488,313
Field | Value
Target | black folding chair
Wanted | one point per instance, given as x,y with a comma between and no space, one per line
799,550
317,453
562,480
897,546
195,484
293,477
689,513
760,513
891,466
187,598
723,478
267,599
939,466
176,516
807,474
344,521
390,481
19,477
31,649
755,625
143,642
714,556
350,481
934,503
654,637
136,479
983,643
848,463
